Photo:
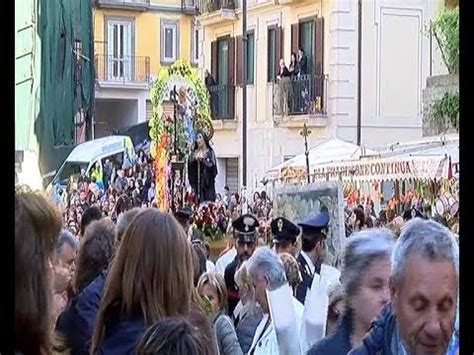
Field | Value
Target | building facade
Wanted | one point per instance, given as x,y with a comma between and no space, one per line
395,59
54,83
133,40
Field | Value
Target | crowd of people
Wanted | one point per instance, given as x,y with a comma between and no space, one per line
109,190
138,281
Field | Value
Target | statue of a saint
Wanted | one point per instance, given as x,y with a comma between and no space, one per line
202,169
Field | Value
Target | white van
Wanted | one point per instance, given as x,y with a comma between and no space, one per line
87,154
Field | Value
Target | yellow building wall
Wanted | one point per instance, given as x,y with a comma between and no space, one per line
147,33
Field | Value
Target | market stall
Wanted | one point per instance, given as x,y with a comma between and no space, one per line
422,175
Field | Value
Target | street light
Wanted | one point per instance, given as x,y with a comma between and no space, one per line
305,132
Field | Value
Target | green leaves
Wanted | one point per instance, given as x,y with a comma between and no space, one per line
445,28
446,110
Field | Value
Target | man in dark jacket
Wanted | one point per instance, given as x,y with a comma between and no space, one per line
312,251
302,62
424,294
245,228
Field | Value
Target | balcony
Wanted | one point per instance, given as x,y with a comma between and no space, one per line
140,5
190,7
125,71
299,98
216,11
222,101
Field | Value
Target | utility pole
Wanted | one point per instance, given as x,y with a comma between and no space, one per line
244,91
305,132
359,75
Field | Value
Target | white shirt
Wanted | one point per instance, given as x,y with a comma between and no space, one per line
225,260
267,344
311,266
210,266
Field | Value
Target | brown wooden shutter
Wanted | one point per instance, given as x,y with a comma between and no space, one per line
214,60
278,48
319,46
295,37
231,76
238,61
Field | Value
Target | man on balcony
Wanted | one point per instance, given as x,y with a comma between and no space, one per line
302,85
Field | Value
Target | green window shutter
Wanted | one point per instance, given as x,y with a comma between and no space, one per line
250,57
271,52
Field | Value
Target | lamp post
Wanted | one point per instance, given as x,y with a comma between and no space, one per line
305,132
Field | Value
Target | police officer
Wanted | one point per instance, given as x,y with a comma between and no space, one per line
313,239
284,234
245,230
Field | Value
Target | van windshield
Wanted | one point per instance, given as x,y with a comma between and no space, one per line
69,169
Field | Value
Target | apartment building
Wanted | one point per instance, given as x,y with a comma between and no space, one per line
133,40
395,55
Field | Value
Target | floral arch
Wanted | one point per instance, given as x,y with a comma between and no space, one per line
195,98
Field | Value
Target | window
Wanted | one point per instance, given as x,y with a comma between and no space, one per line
149,110
169,41
271,74
194,44
250,57
222,70
306,36
232,173
274,52
119,49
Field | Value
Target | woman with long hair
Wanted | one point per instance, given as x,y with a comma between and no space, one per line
248,313
151,277
37,225
212,286
365,281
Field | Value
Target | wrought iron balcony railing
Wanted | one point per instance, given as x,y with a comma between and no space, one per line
124,69
222,101
128,4
300,95
208,6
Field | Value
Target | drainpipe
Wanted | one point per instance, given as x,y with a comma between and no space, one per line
359,74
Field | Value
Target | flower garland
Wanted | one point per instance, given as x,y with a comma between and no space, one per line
161,127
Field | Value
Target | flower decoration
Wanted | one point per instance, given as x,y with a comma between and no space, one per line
161,126
207,221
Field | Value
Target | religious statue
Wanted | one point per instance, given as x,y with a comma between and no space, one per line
202,169
185,104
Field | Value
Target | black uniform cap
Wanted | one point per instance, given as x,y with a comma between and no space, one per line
245,228
284,230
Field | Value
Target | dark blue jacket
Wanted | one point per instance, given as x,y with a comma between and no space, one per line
76,323
121,335
307,281
379,338
339,342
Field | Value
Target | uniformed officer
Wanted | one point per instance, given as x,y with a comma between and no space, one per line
245,230
284,234
312,253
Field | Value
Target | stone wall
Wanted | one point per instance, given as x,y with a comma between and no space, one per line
436,86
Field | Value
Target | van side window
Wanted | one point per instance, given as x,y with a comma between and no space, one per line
116,159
